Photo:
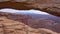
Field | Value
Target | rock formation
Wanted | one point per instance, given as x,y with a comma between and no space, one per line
11,26
49,6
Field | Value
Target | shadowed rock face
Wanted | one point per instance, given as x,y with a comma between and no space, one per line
49,6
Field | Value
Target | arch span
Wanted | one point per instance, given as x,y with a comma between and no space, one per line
48,6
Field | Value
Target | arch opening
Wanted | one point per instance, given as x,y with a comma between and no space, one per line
31,11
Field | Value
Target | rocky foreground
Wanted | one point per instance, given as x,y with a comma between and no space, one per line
10,24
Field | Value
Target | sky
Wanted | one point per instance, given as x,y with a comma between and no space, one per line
22,11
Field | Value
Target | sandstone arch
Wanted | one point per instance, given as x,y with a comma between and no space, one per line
49,6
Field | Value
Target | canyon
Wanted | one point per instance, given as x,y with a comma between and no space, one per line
12,23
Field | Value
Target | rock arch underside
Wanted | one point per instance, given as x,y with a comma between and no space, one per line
49,6
20,24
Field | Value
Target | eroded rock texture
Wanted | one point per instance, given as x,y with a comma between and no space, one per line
49,6
10,26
